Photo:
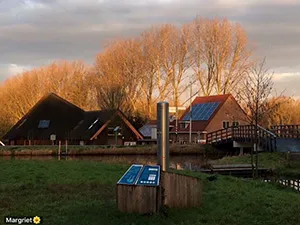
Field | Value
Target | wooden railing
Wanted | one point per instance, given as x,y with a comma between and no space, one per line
219,135
286,131
289,183
244,133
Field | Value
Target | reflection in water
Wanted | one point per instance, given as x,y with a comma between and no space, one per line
28,157
190,162
176,162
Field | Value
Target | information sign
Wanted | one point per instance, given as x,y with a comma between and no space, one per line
131,175
149,176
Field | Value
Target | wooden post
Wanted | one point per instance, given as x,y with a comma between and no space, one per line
66,147
59,147
241,151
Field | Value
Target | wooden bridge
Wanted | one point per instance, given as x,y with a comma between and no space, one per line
286,137
243,134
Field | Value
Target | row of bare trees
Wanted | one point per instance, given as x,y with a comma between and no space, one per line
159,64
70,80
133,74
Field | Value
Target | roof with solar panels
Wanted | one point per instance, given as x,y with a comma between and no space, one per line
203,111
203,108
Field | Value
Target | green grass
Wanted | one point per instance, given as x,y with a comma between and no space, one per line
276,161
268,160
82,192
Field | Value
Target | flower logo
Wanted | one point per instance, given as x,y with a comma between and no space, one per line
36,220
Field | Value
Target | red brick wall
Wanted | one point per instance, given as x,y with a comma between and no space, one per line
230,111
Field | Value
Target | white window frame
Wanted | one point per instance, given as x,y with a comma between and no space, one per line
227,123
235,123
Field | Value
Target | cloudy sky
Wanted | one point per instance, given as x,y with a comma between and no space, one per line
36,32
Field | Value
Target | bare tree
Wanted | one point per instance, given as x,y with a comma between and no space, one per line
161,49
117,70
220,55
256,91
150,70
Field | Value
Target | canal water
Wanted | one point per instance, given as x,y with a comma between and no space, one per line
180,162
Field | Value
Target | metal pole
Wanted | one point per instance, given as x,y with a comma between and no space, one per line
190,137
176,126
163,135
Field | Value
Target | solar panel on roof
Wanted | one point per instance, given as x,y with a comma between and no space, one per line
202,111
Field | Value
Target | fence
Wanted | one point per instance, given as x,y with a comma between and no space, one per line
289,183
286,131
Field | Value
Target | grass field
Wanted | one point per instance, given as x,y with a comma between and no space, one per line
83,192
276,161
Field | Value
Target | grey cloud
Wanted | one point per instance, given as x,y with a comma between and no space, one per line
275,30
60,29
289,86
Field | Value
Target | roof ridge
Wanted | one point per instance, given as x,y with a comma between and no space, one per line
210,96
60,98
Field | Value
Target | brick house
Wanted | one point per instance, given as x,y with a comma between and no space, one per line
209,113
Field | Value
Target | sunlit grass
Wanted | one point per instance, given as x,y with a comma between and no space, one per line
83,192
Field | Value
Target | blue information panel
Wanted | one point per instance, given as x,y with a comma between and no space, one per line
149,176
131,175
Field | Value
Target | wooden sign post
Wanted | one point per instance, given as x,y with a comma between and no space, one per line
145,189
138,190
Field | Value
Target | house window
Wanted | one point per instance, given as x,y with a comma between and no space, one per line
225,124
44,124
93,124
113,130
183,125
235,123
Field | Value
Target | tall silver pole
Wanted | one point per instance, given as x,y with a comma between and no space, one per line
190,137
163,135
